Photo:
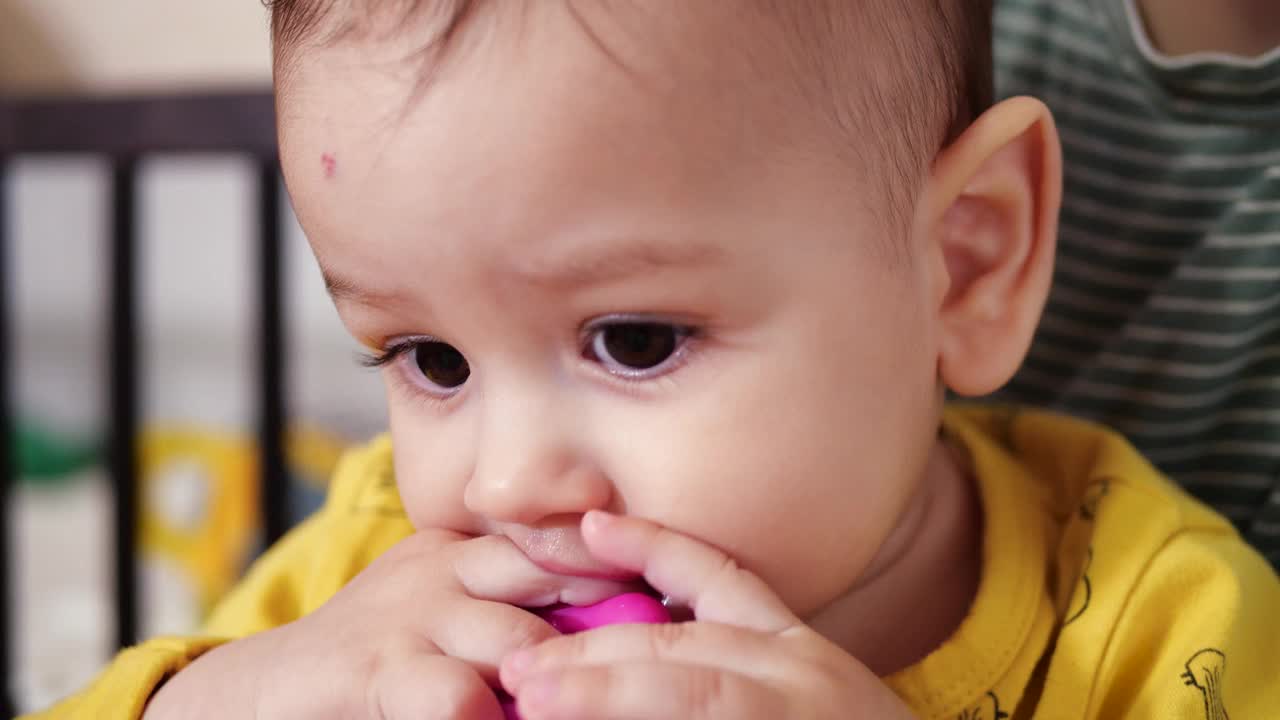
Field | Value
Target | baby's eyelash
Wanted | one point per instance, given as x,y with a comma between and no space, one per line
387,355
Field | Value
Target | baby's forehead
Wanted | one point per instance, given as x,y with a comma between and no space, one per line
814,54
432,24
784,43
881,82
751,70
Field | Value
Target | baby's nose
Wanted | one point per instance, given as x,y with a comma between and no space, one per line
526,494
531,469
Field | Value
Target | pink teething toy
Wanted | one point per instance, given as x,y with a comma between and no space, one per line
626,608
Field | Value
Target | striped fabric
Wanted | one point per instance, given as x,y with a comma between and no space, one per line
1164,320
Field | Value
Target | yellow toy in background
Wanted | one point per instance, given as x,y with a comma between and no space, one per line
199,508
199,503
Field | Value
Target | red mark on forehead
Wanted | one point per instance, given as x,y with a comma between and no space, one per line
329,163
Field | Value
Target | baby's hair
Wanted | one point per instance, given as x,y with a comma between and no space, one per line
900,78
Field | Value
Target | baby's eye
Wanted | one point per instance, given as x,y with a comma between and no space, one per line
635,349
440,363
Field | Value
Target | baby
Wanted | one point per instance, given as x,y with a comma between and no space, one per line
668,296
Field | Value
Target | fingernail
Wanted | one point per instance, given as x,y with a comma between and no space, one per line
519,662
597,520
539,692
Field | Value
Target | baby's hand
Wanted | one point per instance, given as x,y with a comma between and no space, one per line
746,655
418,634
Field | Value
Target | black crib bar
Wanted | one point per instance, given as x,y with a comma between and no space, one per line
8,708
122,429
271,356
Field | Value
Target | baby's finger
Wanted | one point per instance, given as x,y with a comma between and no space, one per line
747,652
484,624
482,633
647,691
688,571
432,687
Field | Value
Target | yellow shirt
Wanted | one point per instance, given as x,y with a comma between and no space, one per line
1106,592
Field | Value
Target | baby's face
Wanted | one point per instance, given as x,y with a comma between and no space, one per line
611,289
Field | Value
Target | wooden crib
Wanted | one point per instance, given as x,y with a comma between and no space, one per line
123,131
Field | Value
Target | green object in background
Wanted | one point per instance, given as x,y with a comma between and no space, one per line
46,457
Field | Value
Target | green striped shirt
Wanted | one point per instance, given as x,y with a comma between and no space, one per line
1164,319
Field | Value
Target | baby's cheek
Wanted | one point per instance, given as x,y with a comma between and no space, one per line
431,480
786,502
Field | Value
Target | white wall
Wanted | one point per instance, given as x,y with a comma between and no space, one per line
106,46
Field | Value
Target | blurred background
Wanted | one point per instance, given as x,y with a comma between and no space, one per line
129,69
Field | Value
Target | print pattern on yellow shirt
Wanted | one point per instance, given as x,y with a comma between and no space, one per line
1084,591
1093,496
988,709
1204,673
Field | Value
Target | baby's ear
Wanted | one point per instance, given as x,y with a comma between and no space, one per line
990,215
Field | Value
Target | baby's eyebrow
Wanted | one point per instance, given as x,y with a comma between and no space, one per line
611,262
342,289
597,264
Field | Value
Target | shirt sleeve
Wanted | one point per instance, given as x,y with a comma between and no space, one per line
1199,635
361,519
121,690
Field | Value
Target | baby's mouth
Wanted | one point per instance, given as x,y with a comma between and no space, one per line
575,600
678,612
561,551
